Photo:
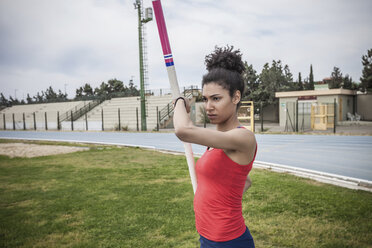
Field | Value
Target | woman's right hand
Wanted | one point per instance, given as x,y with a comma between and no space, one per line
183,101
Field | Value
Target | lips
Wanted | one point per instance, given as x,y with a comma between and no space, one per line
212,116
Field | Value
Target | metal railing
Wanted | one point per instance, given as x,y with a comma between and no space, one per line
79,110
166,112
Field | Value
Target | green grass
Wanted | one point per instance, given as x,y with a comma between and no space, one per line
129,197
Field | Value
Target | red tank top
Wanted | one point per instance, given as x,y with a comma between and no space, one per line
218,197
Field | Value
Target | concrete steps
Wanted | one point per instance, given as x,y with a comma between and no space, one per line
128,112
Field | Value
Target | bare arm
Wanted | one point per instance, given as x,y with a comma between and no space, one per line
236,139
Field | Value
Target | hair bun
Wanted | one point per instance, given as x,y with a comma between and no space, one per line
225,58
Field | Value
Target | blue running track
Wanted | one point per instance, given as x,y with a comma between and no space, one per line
349,156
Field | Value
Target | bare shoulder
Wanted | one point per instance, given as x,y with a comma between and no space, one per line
245,152
245,138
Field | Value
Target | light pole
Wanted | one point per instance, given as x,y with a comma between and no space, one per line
148,17
15,94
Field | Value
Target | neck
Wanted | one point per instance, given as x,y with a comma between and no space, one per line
229,124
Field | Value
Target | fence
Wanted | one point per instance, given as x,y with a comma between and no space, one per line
26,121
306,116
322,116
50,120
246,115
298,116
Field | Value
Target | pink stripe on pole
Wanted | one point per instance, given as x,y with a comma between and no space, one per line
159,16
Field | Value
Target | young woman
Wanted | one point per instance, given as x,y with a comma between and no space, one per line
222,171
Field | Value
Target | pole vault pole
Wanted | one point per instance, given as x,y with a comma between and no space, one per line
168,57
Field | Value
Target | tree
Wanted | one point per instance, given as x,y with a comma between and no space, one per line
250,78
356,86
84,91
61,97
347,82
132,89
300,84
39,98
29,99
3,100
50,95
306,83
79,92
265,87
366,79
311,79
116,86
13,101
112,88
102,90
87,90
288,84
274,79
336,79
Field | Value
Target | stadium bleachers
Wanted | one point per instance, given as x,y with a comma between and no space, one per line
128,118
93,119
48,110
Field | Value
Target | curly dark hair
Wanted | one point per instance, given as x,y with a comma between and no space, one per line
225,68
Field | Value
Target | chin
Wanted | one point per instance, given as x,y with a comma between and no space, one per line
213,121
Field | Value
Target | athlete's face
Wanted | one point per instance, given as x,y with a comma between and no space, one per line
218,103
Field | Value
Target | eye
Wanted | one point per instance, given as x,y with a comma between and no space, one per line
204,99
216,98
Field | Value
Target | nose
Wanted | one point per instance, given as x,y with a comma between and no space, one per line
208,106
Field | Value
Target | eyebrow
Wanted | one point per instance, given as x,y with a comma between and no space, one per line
214,95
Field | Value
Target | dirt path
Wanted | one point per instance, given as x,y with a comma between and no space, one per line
32,150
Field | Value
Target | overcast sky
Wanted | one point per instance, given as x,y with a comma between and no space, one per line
67,43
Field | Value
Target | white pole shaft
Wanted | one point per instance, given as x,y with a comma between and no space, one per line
188,149
172,76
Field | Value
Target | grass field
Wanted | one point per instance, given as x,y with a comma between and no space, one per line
129,197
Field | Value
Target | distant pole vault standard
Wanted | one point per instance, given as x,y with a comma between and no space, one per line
168,57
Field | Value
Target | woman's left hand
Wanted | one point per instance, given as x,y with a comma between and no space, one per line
248,183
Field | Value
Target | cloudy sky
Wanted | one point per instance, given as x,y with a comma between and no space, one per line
67,43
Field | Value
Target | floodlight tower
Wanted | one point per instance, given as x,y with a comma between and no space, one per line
143,56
